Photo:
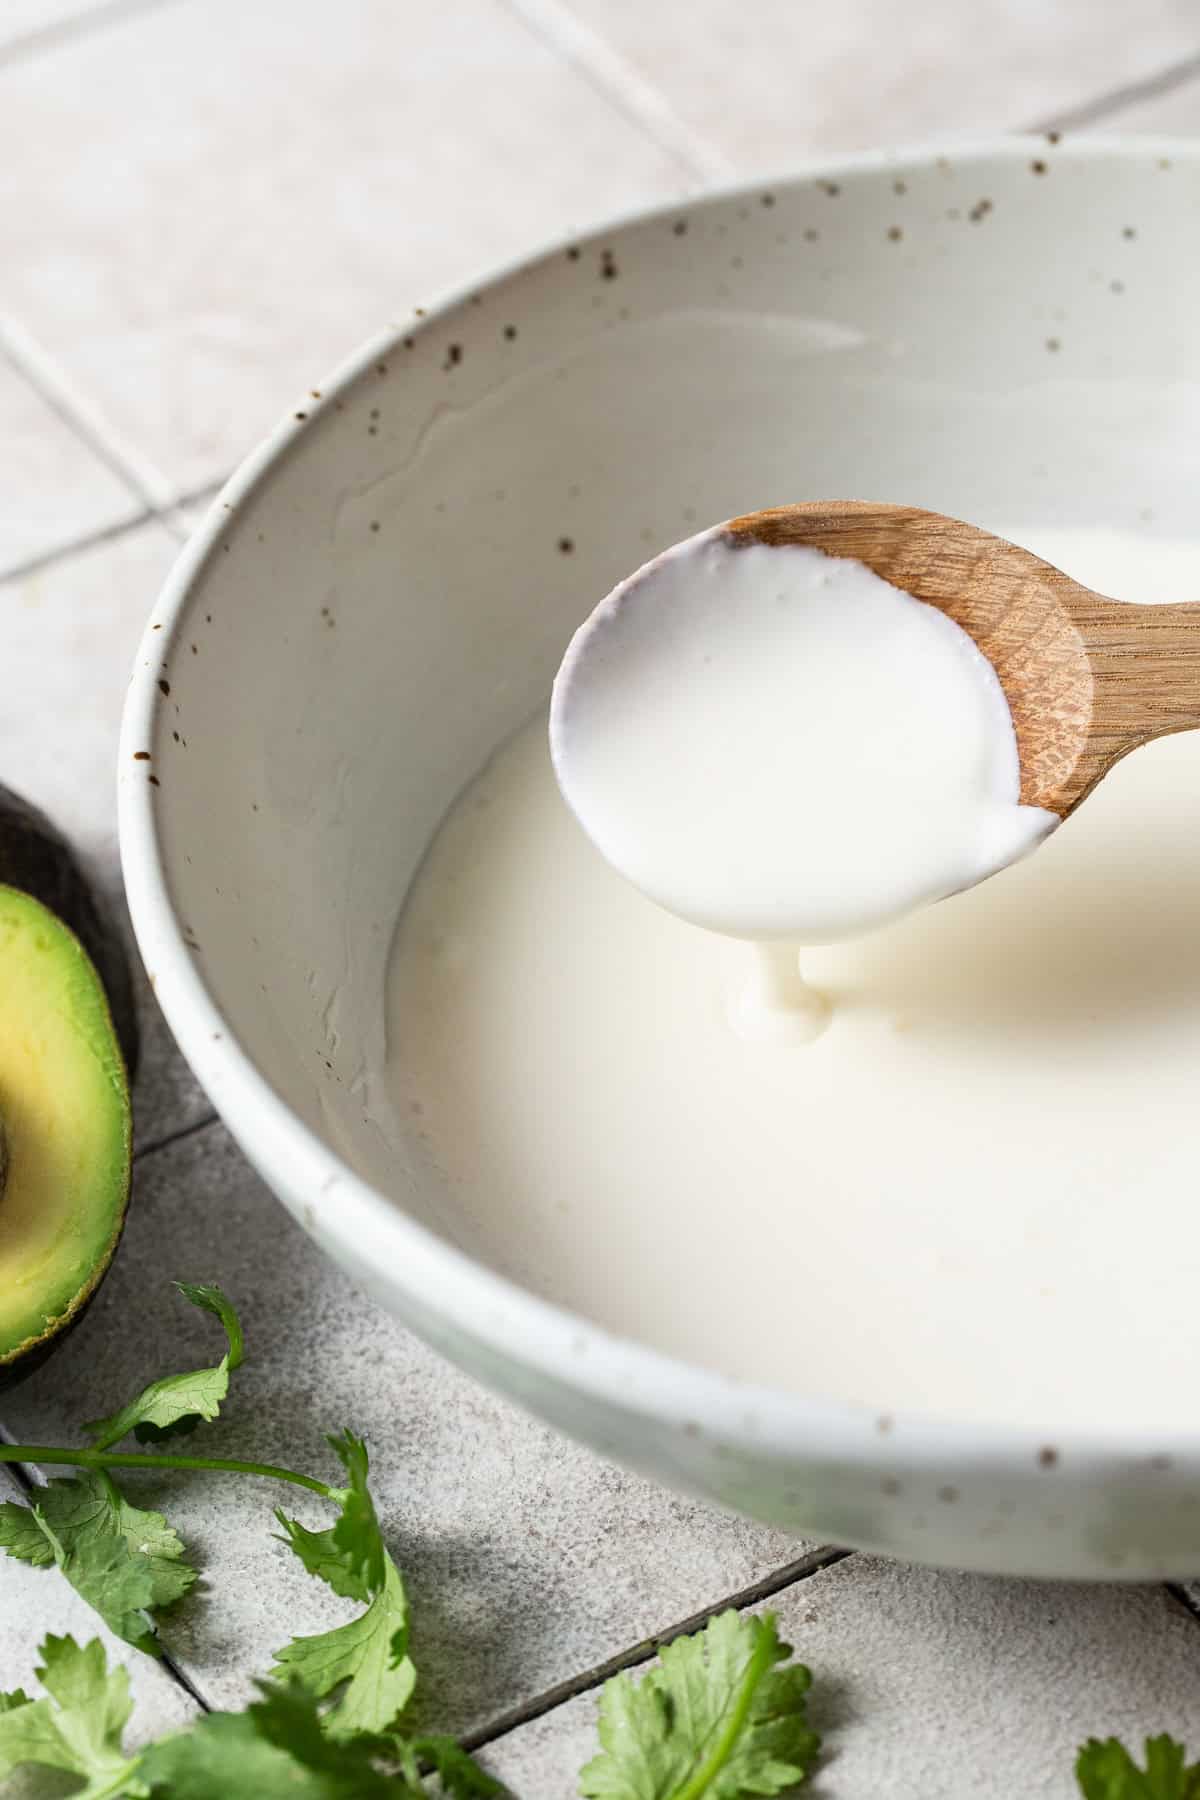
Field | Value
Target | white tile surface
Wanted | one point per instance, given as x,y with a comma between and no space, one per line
771,82
68,633
70,630
22,21
35,1601
53,490
928,1686
527,1558
281,181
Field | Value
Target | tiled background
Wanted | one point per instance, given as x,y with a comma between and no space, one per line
203,205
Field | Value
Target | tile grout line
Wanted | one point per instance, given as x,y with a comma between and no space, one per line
589,1679
74,26
179,1136
136,474
1150,87
29,1483
104,534
640,102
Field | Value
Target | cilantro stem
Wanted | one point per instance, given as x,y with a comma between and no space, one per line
115,1459
760,1661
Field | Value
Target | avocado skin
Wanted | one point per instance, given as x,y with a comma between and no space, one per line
12,1374
36,857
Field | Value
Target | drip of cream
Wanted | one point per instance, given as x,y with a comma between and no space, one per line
775,1004
778,745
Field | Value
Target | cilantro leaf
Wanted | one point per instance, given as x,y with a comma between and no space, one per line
460,1775
275,1750
350,1556
178,1403
23,1537
124,1562
117,1585
1106,1771
78,1728
370,1655
716,1718
91,1506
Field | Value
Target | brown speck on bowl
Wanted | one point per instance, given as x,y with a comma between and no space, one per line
1053,343
894,234
566,545
164,687
141,756
573,253
767,200
899,187
510,332
154,781
302,415
1047,1457
1039,167
811,234
1128,231
680,227
830,187
453,356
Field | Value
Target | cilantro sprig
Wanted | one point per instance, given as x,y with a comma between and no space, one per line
343,1690
1106,1771
721,1717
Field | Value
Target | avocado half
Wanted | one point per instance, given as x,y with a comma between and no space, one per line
67,1131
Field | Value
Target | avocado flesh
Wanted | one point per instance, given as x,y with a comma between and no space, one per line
64,1103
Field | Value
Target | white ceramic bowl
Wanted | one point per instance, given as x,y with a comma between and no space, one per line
381,594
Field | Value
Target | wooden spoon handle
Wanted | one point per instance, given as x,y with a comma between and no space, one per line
1145,663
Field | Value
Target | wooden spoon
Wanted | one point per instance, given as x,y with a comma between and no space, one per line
1087,679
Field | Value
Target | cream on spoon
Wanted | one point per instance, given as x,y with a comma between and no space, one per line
777,744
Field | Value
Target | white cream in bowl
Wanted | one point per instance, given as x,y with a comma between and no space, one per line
946,1202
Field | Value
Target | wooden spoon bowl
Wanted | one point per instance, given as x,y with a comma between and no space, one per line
1087,678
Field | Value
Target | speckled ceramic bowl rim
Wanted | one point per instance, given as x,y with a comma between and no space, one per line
341,1206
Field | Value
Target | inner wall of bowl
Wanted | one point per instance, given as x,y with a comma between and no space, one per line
1008,339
